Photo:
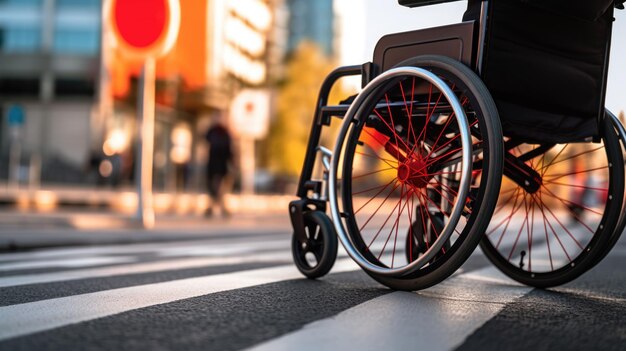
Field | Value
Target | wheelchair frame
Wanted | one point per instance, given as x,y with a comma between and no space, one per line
390,50
367,71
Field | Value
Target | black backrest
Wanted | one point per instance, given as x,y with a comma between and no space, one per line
545,65
416,3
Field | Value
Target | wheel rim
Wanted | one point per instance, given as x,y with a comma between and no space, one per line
545,233
310,253
409,166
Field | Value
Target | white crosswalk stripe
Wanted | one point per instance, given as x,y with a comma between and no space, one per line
436,318
139,268
172,257
72,262
27,318
204,247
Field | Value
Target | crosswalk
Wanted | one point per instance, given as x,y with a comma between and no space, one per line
439,318
245,291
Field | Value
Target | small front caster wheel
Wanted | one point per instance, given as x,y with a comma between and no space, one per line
315,257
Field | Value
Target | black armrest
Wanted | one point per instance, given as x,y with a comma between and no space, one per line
416,3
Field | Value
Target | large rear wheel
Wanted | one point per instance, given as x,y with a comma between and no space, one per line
401,150
557,209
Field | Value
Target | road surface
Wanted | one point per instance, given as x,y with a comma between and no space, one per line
241,291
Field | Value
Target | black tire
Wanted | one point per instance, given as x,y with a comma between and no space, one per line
486,131
621,223
575,229
317,257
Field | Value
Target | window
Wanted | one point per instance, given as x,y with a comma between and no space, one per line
94,4
21,2
77,27
71,41
20,25
19,39
74,87
19,86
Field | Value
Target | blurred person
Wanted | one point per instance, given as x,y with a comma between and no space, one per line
218,165
92,168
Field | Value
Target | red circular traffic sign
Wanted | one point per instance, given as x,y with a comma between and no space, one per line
144,27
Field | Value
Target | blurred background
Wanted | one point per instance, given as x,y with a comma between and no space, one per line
68,96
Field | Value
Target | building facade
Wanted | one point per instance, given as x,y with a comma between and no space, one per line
312,21
76,91
49,69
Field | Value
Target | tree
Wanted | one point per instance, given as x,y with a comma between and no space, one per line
297,96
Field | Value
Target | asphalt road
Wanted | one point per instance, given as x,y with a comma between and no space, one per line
240,292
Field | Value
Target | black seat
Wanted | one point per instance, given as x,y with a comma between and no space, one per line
545,63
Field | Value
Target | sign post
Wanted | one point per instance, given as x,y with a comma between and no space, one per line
16,124
249,118
145,151
145,30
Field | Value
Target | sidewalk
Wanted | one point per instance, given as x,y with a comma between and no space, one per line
124,200
28,230
73,216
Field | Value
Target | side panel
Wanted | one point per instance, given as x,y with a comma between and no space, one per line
455,41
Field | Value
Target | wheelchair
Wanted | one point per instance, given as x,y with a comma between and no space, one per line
491,132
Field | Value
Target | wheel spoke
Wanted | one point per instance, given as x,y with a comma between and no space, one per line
409,112
411,234
395,225
515,191
545,168
509,218
374,172
430,219
379,206
374,188
565,202
559,176
576,155
576,186
395,239
393,131
545,228
383,225
385,160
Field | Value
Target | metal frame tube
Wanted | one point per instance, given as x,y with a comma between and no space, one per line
316,127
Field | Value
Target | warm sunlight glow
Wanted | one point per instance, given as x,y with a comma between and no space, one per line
116,142
254,11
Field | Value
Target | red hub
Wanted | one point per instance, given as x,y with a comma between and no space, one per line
414,172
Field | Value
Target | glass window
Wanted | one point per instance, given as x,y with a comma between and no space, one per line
74,87
77,27
94,4
19,86
20,25
19,39
21,2
76,41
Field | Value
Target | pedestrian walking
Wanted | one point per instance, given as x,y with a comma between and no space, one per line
218,166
